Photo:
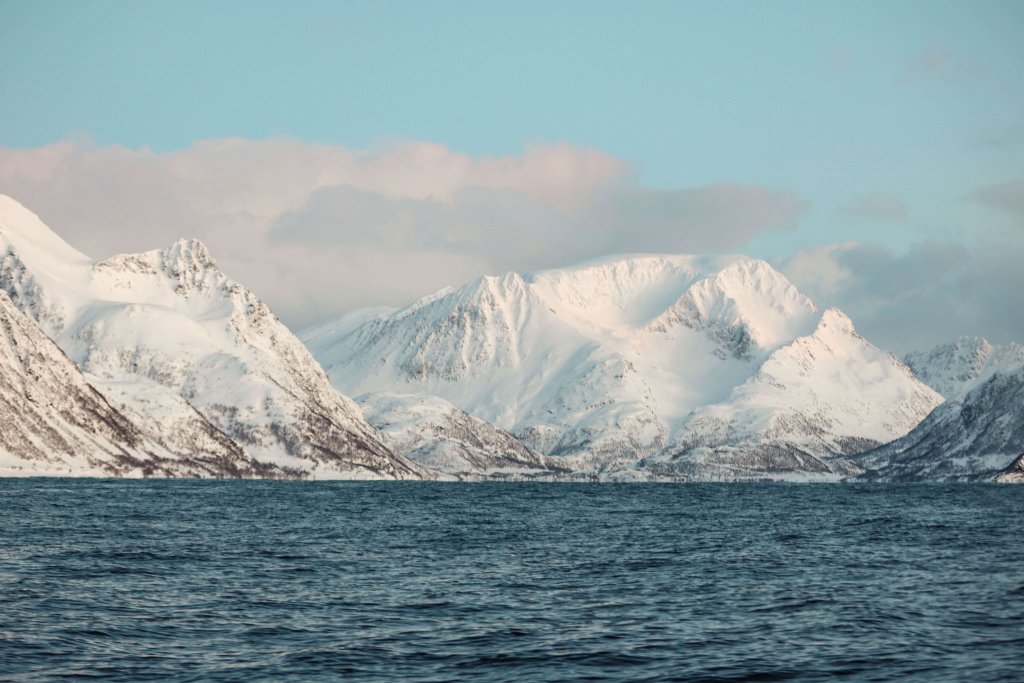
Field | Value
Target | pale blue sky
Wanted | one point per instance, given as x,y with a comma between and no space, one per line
829,99
884,117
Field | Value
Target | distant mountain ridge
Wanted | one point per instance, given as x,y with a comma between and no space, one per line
978,433
955,368
649,365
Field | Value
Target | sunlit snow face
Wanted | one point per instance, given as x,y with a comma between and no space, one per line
638,358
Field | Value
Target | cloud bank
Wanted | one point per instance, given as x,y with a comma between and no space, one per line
914,300
317,230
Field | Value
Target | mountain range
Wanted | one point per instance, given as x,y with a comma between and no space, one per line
630,368
644,366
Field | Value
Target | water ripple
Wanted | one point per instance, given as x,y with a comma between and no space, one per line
228,581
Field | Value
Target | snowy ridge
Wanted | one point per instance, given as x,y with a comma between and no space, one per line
956,368
978,433
746,305
199,360
683,365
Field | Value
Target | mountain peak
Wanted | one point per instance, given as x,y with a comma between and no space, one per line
186,263
746,304
956,367
834,320
190,251
962,346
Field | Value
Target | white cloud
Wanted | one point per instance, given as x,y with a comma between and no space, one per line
318,229
934,292
820,270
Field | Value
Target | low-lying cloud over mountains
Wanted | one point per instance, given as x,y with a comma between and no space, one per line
377,226
318,230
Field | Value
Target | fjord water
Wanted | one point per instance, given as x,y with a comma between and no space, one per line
240,580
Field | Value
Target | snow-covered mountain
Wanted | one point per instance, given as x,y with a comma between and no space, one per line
956,368
198,361
694,367
978,433
440,437
827,394
52,421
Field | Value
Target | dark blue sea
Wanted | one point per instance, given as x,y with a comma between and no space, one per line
245,581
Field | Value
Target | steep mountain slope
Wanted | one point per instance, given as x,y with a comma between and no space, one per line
200,360
977,434
53,422
440,437
611,362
